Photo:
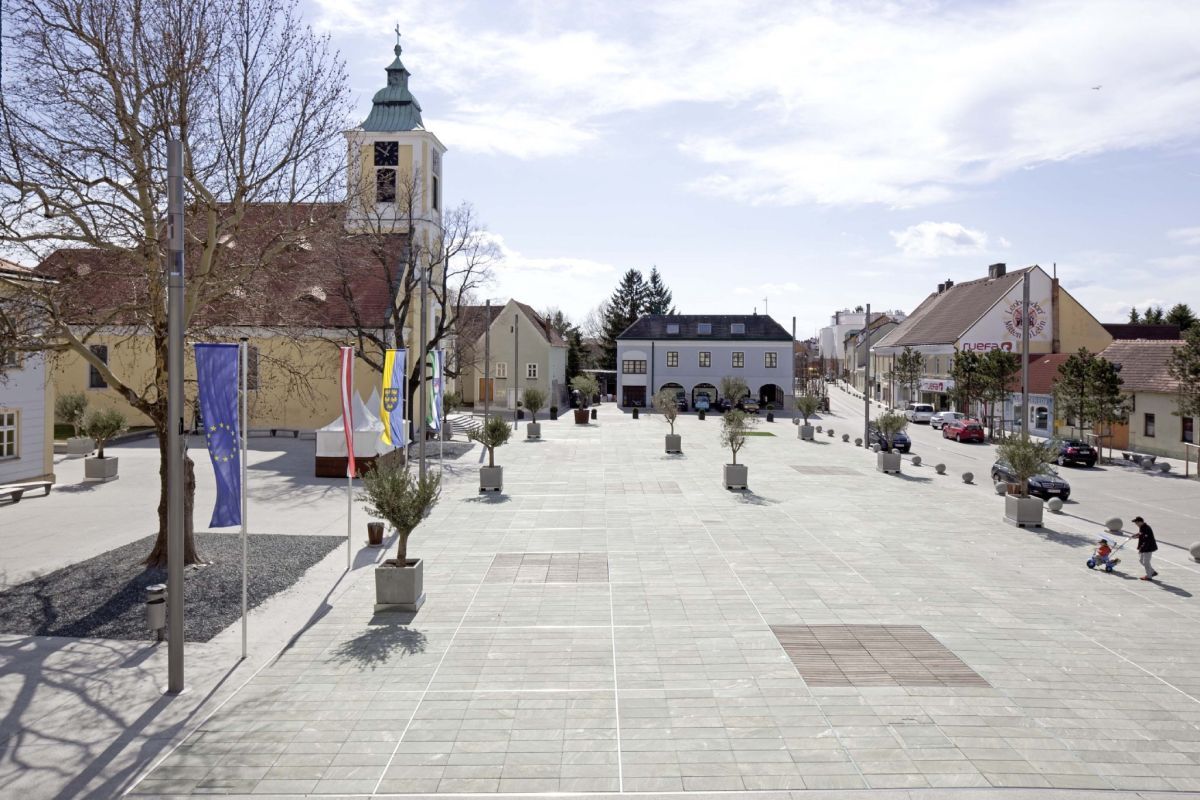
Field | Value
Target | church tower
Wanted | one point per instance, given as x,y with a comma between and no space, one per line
395,166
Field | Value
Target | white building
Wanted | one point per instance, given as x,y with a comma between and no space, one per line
26,411
832,337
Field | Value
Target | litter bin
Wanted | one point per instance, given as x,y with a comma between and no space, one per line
156,610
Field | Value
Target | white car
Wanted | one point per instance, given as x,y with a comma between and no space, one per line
918,412
938,420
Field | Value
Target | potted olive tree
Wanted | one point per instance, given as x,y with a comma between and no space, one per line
492,434
450,405
534,400
69,409
102,426
664,403
889,423
393,493
734,425
733,388
807,405
588,387
1025,459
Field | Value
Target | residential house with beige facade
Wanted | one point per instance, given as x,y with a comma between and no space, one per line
502,350
1155,426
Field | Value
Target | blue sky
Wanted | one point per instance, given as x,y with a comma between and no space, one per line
818,154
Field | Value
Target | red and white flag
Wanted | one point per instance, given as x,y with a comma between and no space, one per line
348,407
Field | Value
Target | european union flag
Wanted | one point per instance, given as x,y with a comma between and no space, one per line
217,377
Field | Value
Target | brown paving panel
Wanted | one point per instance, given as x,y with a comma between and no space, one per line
548,568
872,655
815,470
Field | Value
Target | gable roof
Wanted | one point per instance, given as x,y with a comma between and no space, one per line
1143,364
473,319
327,278
943,317
759,327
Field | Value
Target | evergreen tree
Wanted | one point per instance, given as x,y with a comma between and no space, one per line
1134,317
909,367
1073,389
626,305
1110,403
1184,367
658,296
1181,315
573,337
964,371
997,368
1154,316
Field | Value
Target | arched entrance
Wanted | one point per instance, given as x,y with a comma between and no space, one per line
771,393
704,388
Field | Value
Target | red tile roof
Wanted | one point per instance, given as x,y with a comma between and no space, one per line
1143,364
324,278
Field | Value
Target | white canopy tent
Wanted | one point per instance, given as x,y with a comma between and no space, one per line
331,440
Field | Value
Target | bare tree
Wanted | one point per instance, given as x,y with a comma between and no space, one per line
258,101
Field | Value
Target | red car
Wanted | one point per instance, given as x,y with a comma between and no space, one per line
963,430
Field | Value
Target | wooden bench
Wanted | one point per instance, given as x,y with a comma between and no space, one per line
15,491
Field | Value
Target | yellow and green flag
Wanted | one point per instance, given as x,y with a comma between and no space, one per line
391,406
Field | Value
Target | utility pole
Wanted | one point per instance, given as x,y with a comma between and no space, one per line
175,439
1025,355
424,368
487,359
516,367
867,382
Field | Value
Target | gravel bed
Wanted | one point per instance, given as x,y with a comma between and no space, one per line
104,597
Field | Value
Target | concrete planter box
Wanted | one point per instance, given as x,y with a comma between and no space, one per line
674,443
736,476
533,430
399,588
1024,512
80,446
100,469
491,479
806,432
888,462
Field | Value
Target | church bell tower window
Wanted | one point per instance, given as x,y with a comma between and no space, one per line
387,158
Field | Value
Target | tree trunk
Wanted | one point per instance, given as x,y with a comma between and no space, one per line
402,549
158,556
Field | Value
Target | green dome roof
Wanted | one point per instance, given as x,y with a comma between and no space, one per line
393,107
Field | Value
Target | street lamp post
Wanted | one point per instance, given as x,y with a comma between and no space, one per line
175,439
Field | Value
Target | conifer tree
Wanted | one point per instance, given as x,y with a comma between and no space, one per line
964,371
624,308
1184,367
658,296
1134,316
1181,315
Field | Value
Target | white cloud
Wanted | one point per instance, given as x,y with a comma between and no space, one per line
511,262
937,239
903,103
1185,236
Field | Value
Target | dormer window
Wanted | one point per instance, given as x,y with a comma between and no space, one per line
704,329
737,328
672,329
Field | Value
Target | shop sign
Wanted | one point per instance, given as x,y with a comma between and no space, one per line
940,385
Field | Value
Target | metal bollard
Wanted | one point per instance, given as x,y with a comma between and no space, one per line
156,610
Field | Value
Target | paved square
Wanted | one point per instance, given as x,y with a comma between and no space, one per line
616,621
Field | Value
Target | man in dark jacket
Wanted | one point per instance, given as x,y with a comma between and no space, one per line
1146,546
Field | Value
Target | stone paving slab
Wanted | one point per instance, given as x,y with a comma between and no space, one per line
668,678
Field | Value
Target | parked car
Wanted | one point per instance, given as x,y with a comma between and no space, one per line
749,405
900,441
1043,486
918,412
702,402
1073,451
963,430
942,417
681,404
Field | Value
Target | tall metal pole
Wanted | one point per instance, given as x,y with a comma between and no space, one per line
867,382
175,439
516,367
424,368
487,359
244,352
1025,355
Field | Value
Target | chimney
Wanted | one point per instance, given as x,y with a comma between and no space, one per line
997,271
941,288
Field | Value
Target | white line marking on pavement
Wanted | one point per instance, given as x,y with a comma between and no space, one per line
1161,680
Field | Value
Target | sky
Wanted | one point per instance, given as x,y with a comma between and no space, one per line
801,157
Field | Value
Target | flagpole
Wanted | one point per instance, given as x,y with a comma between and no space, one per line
245,359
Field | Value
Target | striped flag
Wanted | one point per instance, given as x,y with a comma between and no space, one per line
347,382
436,389
391,405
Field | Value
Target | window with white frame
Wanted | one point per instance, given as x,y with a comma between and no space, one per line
672,358
1148,426
739,359
770,360
8,433
633,367
531,371
736,328
501,369
705,358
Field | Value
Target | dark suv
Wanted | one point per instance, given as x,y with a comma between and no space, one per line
1073,451
900,441
1043,486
